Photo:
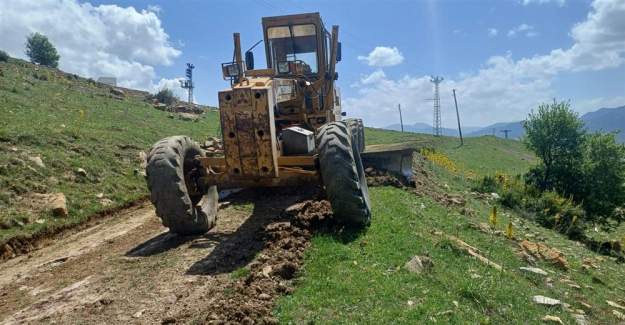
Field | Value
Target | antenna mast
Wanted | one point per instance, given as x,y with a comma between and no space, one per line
436,80
188,83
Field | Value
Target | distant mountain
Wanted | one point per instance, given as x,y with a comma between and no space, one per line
516,130
607,120
603,119
428,129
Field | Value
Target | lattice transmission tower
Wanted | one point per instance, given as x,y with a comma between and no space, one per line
437,128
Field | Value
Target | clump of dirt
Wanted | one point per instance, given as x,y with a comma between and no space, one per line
421,183
250,300
383,178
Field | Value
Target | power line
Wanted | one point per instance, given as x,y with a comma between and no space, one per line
505,132
458,117
401,121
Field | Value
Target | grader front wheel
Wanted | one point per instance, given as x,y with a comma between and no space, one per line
182,206
343,175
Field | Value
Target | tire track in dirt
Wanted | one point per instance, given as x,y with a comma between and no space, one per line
129,269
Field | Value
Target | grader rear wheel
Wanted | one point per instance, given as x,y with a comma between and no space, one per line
171,172
343,175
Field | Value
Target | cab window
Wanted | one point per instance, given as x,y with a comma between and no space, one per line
293,49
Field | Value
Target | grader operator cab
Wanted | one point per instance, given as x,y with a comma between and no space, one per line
281,126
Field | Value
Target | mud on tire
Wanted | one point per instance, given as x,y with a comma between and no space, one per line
343,175
181,206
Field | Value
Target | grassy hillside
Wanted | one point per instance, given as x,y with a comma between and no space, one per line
72,123
362,279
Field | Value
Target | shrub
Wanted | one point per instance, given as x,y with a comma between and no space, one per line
487,184
165,96
4,57
555,134
563,215
41,51
604,177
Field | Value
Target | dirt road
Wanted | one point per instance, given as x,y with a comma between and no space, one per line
129,269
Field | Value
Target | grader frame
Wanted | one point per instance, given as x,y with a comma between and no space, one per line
256,107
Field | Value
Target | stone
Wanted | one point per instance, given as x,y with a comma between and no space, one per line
99,195
494,195
58,204
615,305
138,314
37,161
81,172
106,202
264,296
143,159
419,264
554,319
187,116
118,92
534,270
580,319
542,300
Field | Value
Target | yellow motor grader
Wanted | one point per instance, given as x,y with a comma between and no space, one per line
281,126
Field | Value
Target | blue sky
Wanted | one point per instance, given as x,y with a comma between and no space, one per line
497,54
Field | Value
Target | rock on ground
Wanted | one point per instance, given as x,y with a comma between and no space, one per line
534,270
542,300
419,264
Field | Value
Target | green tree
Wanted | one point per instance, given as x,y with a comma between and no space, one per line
4,57
41,51
604,176
556,135
165,96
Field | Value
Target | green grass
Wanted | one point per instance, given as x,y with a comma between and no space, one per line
363,281
480,155
73,123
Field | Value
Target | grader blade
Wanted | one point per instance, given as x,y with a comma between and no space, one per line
393,158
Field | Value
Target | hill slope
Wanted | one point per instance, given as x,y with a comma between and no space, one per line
601,120
607,120
363,278
67,123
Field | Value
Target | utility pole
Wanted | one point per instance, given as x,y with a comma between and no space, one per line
505,132
436,80
188,83
401,121
458,117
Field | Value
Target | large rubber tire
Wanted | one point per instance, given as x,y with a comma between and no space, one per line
170,163
342,174
357,131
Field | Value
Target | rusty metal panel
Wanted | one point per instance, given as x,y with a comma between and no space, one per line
265,132
249,132
229,132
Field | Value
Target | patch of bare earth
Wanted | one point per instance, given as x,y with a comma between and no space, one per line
129,269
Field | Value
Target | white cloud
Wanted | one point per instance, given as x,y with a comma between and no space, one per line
374,77
504,89
524,29
540,2
492,32
383,56
93,41
155,9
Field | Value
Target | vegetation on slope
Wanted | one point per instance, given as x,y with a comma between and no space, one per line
362,279
71,123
